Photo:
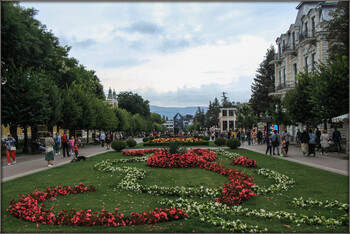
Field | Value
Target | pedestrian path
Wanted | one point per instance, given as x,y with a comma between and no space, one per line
334,162
29,164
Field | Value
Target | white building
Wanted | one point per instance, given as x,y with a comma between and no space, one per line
169,125
227,119
303,45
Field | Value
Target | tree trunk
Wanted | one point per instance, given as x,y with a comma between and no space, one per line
33,137
13,131
25,146
87,134
325,124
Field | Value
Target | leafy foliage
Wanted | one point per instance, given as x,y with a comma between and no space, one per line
133,103
174,147
245,116
233,143
263,84
131,142
118,145
220,141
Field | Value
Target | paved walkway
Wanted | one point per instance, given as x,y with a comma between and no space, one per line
334,162
29,164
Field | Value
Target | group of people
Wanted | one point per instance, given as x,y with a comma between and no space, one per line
273,142
309,141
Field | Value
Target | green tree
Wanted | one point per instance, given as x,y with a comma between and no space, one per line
133,103
24,103
245,116
279,113
157,118
329,89
122,116
296,101
212,114
263,84
200,117
225,103
338,28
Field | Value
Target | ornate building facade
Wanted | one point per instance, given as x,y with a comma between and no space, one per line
303,45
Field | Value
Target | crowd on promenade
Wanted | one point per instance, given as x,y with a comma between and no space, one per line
308,141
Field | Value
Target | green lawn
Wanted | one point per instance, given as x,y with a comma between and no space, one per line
309,183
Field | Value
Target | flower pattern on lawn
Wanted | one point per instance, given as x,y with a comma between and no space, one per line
31,208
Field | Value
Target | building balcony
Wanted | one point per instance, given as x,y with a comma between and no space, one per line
289,50
276,60
285,87
307,37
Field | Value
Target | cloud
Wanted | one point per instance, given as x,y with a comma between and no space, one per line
201,96
84,44
144,27
169,45
119,63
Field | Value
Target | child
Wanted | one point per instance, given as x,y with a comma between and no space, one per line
284,147
76,152
269,143
71,145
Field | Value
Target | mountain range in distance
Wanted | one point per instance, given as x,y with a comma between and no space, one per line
170,112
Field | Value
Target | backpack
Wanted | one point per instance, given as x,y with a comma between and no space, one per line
64,138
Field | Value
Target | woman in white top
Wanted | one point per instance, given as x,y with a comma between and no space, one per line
324,141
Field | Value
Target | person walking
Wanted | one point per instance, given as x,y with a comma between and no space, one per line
259,135
102,139
10,149
312,143
304,140
65,147
108,141
71,145
286,136
249,136
324,142
276,140
49,144
336,137
253,137
298,137
318,140
284,147
268,144
57,140
242,137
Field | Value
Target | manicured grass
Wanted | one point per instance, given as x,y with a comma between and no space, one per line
211,144
309,182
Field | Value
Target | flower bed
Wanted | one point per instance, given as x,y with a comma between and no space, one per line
244,161
182,140
139,152
28,208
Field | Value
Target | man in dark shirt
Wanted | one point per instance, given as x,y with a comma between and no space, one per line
337,139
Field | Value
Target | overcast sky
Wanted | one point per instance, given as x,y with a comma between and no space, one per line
173,54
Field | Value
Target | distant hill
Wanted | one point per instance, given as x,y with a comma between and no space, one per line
170,112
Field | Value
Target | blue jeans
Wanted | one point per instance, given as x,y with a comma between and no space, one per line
278,149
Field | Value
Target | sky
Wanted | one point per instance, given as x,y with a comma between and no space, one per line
174,54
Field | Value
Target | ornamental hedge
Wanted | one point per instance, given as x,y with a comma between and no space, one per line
118,145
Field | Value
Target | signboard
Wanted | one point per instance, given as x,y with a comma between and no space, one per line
272,128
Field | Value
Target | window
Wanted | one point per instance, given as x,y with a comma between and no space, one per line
306,30
230,113
224,125
295,70
293,40
306,65
224,113
284,76
313,26
279,77
230,124
279,51
313,61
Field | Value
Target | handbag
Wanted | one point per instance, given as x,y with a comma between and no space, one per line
12,148
50,149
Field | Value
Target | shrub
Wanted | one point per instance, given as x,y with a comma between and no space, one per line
131,142
206,138
145,139
151,138
118,145
220,141
174,147
157,137
233,143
